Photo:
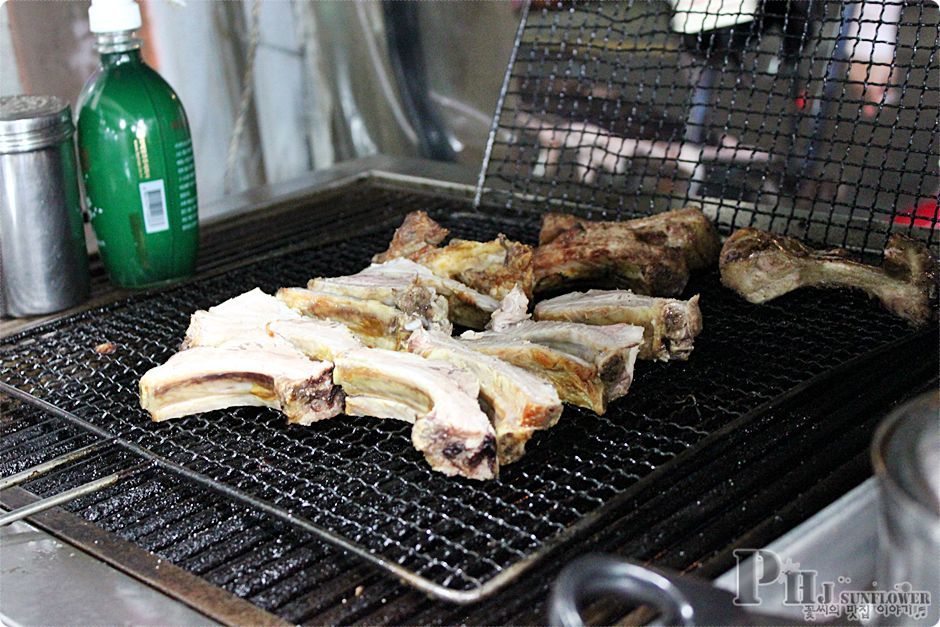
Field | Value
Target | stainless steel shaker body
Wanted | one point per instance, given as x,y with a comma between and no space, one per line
906,458
43,259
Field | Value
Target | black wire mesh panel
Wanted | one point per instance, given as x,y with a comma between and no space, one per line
360,479
812,117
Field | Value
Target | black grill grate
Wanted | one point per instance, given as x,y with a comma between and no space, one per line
609,110
360,479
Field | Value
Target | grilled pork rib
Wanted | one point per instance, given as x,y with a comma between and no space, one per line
205,378
651,255
608,257
451,430
512,310
687,230
518,402
238,320
761,266
388,281
417,235
589,366
317,339
492,268
669,325
378,325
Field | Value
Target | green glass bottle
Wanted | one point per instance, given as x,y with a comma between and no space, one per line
137,158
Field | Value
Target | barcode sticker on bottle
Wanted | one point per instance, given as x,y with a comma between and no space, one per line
153,199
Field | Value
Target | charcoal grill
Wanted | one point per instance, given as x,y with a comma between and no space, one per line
342,521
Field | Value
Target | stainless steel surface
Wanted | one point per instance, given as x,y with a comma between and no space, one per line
906,454
839,543
46,582
43,263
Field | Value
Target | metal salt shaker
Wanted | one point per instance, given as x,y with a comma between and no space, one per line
43,260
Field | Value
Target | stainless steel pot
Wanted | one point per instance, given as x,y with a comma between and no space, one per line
906,458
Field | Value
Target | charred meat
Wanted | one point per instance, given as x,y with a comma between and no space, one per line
687,230
608,257
417,235
206,378
492,268
669,325
518,403
451,430
651,255
761,266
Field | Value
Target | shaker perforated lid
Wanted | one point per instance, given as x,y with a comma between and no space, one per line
33,122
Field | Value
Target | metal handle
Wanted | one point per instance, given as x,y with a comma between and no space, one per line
680,600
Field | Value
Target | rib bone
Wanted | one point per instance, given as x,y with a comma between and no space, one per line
465,306
687,230
239,320
589,366
518,402
761,266
651,255
451,430
375,323
206,378
669,326
317,339
492,268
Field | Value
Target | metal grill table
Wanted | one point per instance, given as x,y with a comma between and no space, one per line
358,482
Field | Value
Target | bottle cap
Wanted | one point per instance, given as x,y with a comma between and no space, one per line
111,16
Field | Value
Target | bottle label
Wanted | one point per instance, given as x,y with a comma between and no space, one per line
186,171
153,200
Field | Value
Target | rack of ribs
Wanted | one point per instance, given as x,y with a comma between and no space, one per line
761,266
450,429
518,402
669,325
492,268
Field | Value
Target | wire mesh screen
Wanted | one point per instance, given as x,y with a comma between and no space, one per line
815,118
